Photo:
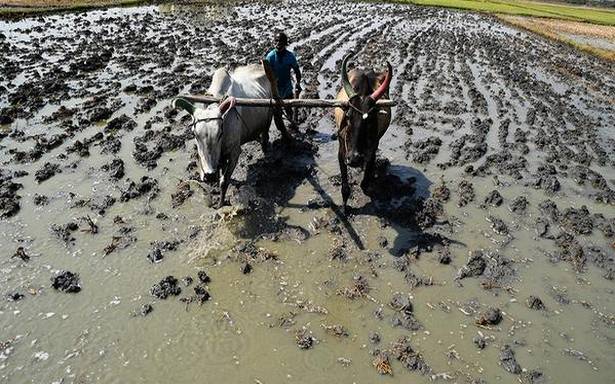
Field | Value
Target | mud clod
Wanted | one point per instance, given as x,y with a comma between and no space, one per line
338,253
40,200
122,122
201,294
498,225
159,248
474,267
426,150
15,296
374,338
492,316
441,192
480,341
182,193
359,288
413,361
203,277
382,241
382,364
165,288
336,330
466,193
146,309
115,169
519,205
401,302
494,199
121,240
64,232
21,254
246,268
248,252
508,360
542,227
48,171
578,221
444,256
534,302
498,272
146,186
304,340
404,316
533,377
9,200
66,281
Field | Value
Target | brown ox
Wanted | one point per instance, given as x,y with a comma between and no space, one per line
361,125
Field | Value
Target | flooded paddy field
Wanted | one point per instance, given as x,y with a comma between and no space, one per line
485,255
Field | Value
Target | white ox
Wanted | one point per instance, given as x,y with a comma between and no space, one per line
220,130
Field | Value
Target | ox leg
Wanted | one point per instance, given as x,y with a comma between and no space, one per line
291,118
265,141
344,176
368,174
225,177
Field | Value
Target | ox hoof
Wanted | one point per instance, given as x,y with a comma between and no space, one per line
346,210
367,189
289,141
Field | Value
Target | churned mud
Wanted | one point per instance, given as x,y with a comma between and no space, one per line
484,253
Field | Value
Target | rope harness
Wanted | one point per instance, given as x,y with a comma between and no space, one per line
364,115
232,107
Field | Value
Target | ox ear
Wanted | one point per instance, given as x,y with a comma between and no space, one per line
183,104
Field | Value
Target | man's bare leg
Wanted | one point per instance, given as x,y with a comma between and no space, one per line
279,123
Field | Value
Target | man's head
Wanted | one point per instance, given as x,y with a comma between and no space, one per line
281,41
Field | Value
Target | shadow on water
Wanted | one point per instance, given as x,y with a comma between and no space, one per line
399,199
338,213
271,182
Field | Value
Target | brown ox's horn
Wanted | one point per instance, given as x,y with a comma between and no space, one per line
385,84
345,83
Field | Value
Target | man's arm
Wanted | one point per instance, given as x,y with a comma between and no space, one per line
269,56
297,74
298,77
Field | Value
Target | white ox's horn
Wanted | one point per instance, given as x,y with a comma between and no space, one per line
184,104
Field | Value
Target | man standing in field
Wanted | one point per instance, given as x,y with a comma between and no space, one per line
282,61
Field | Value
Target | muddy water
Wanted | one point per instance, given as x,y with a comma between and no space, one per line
451,69
592,41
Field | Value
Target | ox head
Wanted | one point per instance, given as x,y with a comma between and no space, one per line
208,128
361,116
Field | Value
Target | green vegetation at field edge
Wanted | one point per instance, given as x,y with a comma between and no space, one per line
526,8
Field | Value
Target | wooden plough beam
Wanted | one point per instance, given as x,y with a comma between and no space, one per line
301,103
